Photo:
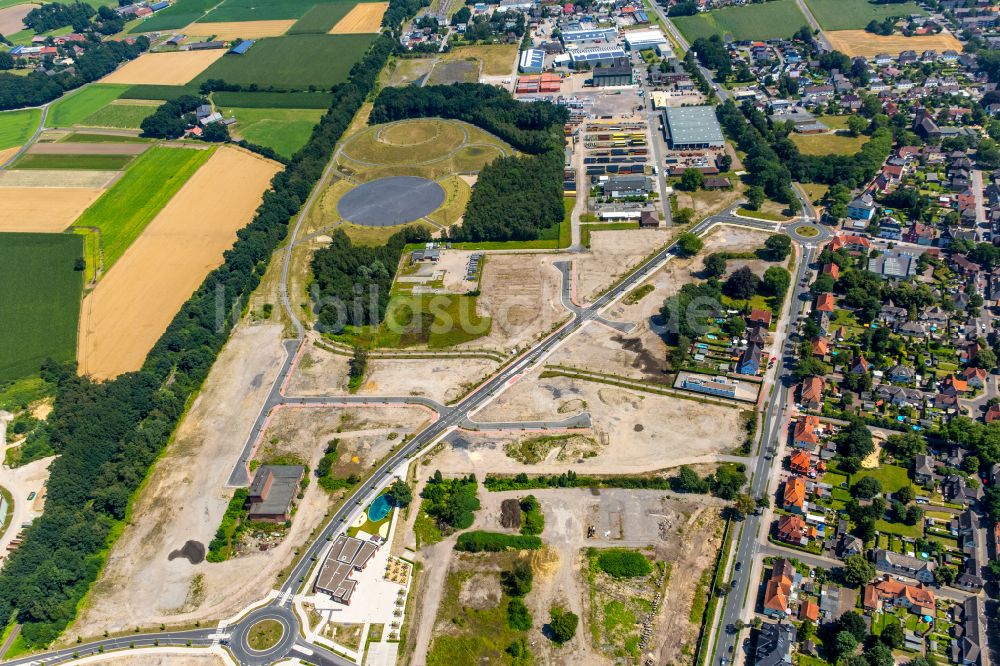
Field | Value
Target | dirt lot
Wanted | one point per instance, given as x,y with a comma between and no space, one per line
682,531
202,659
58,178
184,499
168,69
410,70
639,432
50,210
12,18
521,293
130,308
363,18
863,43
613,253
241,29
443,379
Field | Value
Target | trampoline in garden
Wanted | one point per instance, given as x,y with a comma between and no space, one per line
390,201
380,508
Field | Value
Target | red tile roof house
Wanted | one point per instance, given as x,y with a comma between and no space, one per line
762,317
820,347
851,243
833,270
889,591
975,377
859,366
825,303
952,385
812,392
778,592
800,462
809,610
794,496
792,529
993,414
806,432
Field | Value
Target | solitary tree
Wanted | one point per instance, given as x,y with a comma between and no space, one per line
715,265
742,284
857,571
691,180
563,624
689,244
778,247
401,493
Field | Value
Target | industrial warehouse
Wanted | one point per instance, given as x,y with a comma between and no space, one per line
693,128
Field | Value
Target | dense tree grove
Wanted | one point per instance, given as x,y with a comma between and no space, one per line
108,434
515,197
172,118
353,281
56,15
38,88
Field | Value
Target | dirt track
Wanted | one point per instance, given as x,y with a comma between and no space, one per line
132,305
365,17
47,211
167,69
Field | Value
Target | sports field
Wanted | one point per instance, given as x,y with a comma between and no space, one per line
72,109
770,20
16,127
363,18
292,62
174,68
131,307
48,210
284,130
863,43
241,29
41,300
123,212
856,14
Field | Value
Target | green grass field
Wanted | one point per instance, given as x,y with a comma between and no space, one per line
259,10
292,62
72,109
85,137
177,15
892,477
16,127
75,162
147,185
855,14
120,116
828,144
41,303
272,100
321,18
284,130
770,20
163,93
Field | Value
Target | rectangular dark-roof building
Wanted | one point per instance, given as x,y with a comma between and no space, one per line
272,491
346,555
692,127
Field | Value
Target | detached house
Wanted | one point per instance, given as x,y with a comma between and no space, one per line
812,392
890,592
806,432
904,565
778,593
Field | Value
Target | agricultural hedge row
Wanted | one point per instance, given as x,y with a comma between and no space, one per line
479,541
36,88
108,434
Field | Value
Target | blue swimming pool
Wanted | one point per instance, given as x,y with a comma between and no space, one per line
380,508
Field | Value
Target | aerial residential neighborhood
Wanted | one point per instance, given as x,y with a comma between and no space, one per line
419,332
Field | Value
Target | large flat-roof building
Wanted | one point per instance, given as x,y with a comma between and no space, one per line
692,127
597,57
569,37
613,75
347,554
644,40
532,61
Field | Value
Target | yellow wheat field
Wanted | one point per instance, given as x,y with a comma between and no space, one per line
244,29
863,43
166,69
365,17
43,210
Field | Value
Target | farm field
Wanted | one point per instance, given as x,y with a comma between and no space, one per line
497,60
284,130
321,18
48,210
121,114
175,16
258,10
16,127
42,178
828,144
274,100
136,198
856,14
363,18
99,137
41,302
73,162
771,20
72,109
862,43
131,307
292,62
175,68
12,18
241,29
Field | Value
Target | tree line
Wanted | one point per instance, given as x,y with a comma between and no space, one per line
37,88
54,15
108,434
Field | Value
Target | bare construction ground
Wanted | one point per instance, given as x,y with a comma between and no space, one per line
47,211
130,308
522,295
184,498
637,432
202,658
321,372
681,531
612,254
174,68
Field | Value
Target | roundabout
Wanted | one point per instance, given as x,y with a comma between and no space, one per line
809,232
386,202
265,635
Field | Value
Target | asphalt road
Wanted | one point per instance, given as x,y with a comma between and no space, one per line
197,638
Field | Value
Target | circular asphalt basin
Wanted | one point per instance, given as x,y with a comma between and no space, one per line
390,201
